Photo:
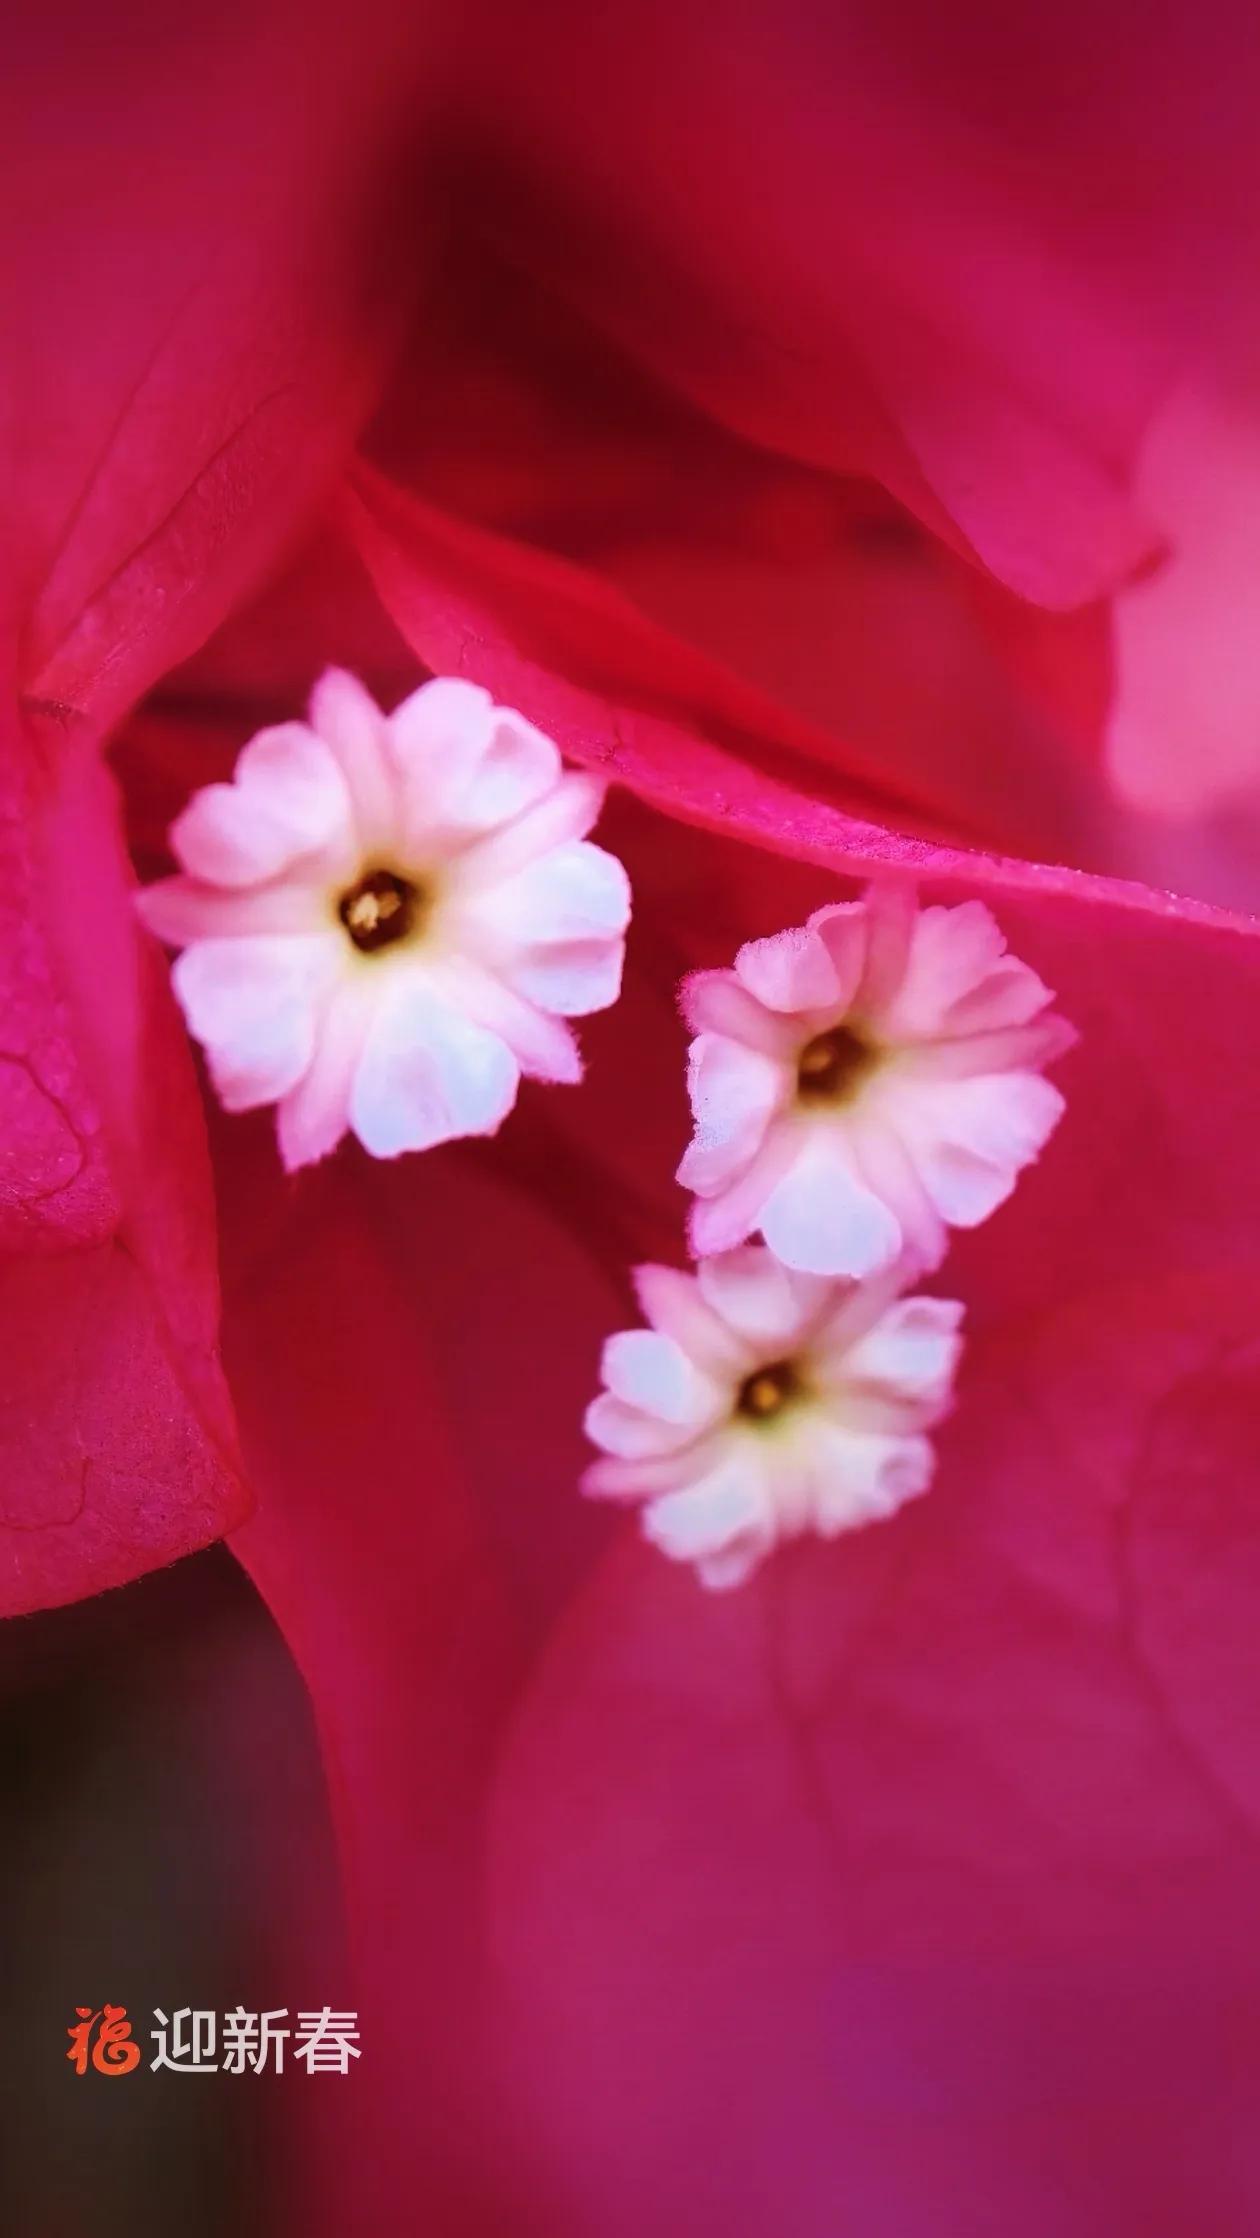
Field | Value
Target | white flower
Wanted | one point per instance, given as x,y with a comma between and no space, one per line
385,919
761,1404
864,1081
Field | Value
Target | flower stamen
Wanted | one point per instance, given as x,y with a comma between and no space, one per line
831,1065
381,909
767,1391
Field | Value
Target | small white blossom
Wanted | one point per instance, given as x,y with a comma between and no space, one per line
385,920
864,1082
762,1403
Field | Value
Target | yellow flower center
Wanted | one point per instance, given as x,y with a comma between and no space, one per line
381,909
766,1392
832,1065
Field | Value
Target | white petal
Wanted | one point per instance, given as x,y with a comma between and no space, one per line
435,740
520,765
970,1139
1009,995
349,720
674,1303
439,733
315,1114
1006,1049
725,1572
721,1523
543,1047
253,1005
843,928
428,1075
906,1361
645,1478
652,1372
821,1219
575,892
891,909
964,1187
573,978
861,1479
181,910
287,800
792,971
951,952
756,1294
715,1002
731,1215
886,1167
734,1092
630,1434
471,766
566,812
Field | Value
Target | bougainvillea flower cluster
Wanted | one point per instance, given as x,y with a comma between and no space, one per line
859,1084
871,517
383,921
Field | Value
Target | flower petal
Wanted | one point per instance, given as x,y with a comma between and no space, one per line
577,891
543,1046
719,1523
181,910
351,724
735,1211
792,971
427,1075
734,1092
759,1296
821,1219
861,1477
117,1441
1007,997
629,1433
254,1006
465,764
288,799
435,738
572,977
517,769
652,1372
716,1002
952,952
911,1353
970,1139
315,1114
675,1304
566,812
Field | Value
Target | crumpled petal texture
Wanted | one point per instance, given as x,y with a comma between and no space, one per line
941,270
201,326
195,336
117,1448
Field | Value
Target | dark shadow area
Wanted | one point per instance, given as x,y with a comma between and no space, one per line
163,1842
